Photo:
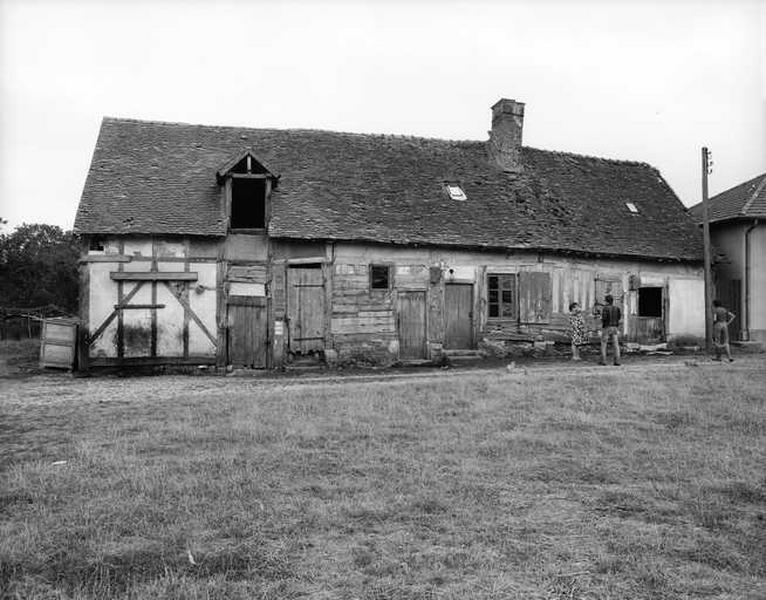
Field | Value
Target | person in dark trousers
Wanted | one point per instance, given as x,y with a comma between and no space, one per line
722,318
610,323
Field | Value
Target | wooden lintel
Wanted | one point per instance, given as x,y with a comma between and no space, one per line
129,306
307,260
153,276
106,258
250,176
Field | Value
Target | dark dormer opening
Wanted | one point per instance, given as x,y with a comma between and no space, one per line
248,203
246,185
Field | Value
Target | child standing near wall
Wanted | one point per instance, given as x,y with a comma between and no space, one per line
722,318
576,329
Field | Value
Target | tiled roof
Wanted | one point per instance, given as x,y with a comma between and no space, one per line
160,178
744,201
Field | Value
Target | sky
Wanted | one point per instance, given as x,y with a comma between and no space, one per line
635,80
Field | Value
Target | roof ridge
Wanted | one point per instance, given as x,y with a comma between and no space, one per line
593,157
756,193
288,129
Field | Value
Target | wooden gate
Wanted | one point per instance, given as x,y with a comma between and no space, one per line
458,315
306,308
411,324
248,331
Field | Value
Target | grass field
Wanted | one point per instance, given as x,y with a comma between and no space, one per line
645,482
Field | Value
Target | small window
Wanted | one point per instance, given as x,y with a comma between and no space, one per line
96,244
632,207
501,296
650,302
456,192
248,203
380,277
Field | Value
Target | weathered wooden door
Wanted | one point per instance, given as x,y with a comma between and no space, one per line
306,308
248,331
458,315
411,324
648,326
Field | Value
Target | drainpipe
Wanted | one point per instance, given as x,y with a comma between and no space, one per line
745,319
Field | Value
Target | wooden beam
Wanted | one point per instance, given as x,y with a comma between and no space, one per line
138,306
153,276
106,258
185,303
123,301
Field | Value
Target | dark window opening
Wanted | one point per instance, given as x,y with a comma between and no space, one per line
96,244
501,296
248,203
380,277
650,302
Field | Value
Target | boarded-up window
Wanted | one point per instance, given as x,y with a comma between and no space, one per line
501,296
535,297
380,277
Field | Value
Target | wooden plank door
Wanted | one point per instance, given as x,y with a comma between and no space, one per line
248,331
411,324
306,308
458,315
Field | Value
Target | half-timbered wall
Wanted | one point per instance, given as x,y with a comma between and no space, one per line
150,300
175,300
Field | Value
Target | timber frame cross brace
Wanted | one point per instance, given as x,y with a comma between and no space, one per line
139,283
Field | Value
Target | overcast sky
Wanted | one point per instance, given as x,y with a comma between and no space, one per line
633,80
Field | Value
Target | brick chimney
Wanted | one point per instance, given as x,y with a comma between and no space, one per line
505,138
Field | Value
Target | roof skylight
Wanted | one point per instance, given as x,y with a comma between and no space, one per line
456,192
632,207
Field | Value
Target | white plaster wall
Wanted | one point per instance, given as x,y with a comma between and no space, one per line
202,299
686,307
170,320
138,247
758,283
102,296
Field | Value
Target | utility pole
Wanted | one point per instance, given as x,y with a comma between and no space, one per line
707,165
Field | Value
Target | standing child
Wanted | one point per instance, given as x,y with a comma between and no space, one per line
576,329
722,318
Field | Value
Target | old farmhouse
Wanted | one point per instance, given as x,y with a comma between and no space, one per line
251,247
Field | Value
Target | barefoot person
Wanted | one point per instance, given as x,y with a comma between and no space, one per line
722,318
610,323
576,329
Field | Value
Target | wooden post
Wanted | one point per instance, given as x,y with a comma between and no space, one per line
706,242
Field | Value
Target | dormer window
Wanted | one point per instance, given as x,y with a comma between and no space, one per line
248,184
248,203
456,192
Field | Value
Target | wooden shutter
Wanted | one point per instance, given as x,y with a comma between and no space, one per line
535,297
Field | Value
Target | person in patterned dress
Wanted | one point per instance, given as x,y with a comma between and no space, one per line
576,329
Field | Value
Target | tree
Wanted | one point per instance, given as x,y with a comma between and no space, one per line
38,266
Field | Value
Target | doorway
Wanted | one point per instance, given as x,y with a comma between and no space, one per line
458,316
411,324
306,308
248,331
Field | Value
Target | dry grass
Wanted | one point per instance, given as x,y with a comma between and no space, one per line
644,483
